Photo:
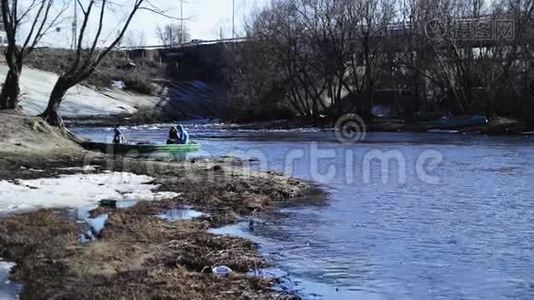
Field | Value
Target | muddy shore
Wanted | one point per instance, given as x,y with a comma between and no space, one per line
138,255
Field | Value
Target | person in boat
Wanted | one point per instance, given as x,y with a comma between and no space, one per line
184,135
118,137
174,137
178,135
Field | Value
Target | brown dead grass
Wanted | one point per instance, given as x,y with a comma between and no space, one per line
139,256
30,140
175,264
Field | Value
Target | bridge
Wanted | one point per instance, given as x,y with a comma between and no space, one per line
192,43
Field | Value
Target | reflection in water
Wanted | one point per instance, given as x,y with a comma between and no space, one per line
8,289
98,223
468,236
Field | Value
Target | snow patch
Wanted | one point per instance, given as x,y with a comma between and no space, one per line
71,191
84,168
79,101
180,214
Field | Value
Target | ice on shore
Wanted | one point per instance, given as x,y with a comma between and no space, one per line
71,191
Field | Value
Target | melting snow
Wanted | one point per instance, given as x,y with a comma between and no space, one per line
77,190
84,168
180,214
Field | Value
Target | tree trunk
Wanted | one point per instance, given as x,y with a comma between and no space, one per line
51,114
10,91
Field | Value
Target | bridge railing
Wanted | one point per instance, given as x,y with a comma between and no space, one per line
192,43
391,29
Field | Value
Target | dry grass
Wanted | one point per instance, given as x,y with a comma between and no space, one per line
139,256
162,260
31,136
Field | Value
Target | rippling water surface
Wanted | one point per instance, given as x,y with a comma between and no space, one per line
470,235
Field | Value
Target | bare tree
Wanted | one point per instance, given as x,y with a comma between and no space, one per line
86,61
173,34
326,57
43,19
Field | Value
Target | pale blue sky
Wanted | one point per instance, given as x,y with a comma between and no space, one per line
205,20
206,16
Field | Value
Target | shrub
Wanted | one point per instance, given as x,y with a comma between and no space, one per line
138,82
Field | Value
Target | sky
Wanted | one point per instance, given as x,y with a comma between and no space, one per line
206,17
205,20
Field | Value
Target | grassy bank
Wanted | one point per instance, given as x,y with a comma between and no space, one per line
138,255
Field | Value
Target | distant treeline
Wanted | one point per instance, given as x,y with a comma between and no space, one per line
318,59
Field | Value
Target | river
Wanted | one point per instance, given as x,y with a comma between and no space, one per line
451,217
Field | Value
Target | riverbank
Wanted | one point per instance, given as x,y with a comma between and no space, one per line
137,254
495,126
107,102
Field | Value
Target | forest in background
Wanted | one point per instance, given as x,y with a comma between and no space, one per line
319,59
316,60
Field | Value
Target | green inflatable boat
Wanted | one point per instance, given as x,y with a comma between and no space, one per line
141,148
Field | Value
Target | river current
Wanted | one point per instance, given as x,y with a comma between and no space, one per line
408,216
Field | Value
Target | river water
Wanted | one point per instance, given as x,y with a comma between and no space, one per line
452,217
